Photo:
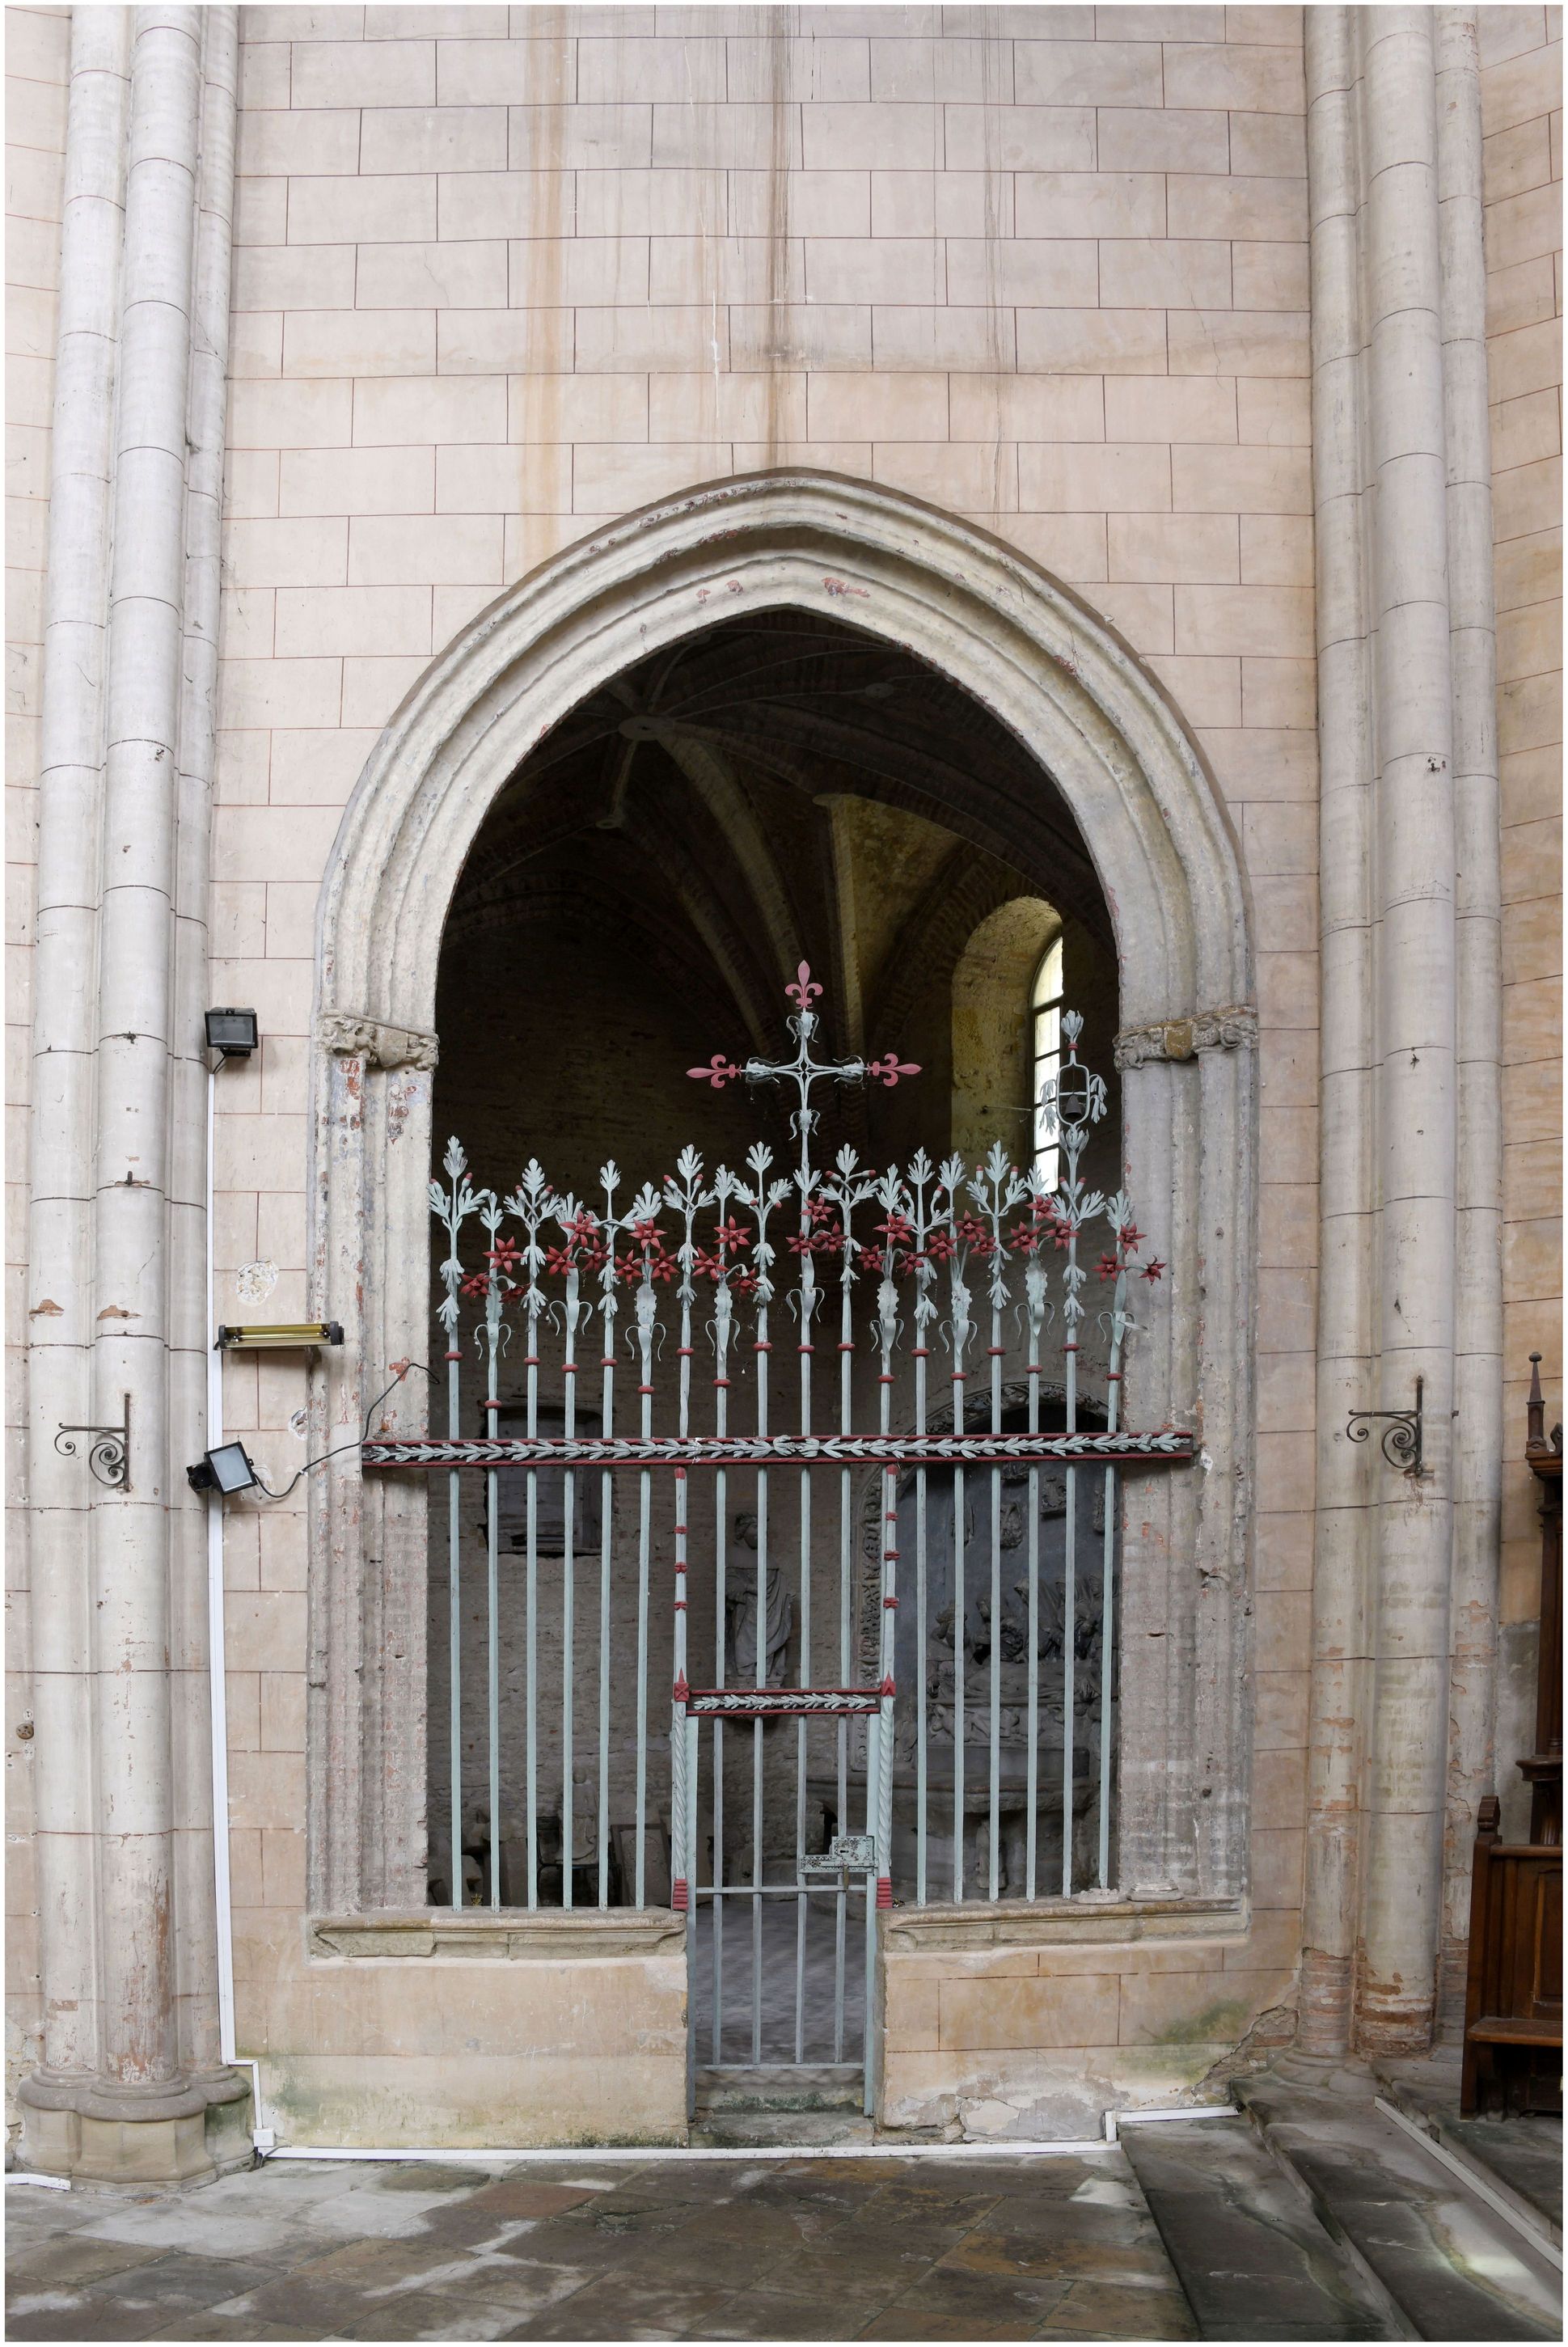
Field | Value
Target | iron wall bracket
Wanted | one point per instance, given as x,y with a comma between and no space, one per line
1402,1438
108,1453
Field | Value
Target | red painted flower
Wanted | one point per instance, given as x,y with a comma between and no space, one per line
1153,1269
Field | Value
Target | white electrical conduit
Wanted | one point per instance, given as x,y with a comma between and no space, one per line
1004,2147
1116,2120
1474,2182
262,2135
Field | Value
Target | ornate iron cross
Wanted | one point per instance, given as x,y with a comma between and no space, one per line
804,1071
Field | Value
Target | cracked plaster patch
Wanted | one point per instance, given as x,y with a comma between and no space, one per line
254,1282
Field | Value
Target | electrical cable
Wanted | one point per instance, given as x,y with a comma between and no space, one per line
358,1444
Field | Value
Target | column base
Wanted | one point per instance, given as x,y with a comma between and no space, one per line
95,2133
1345,2076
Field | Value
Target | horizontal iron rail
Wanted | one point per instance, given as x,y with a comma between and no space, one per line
829,1887
1169,1447
781,1703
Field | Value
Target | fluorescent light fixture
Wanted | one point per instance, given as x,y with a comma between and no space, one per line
226,1469
234,1033
278,1335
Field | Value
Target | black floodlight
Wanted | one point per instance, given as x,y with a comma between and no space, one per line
226,1470
232,1033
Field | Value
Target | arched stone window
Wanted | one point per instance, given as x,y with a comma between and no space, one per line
1045,996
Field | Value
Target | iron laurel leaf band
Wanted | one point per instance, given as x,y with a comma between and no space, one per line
1171,1445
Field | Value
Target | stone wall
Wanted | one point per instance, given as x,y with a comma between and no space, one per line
37,48
1522,97
490,290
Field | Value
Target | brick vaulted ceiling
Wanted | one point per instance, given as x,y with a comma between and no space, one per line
780,787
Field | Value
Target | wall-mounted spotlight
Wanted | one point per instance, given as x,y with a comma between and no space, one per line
226,1470
233,1034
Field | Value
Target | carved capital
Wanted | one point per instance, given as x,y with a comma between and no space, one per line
1232,1027
348,1036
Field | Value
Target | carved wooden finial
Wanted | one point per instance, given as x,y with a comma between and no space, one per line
1535,1422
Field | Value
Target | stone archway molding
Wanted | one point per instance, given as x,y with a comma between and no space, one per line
1154,824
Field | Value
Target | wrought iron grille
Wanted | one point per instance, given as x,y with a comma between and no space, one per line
919,1281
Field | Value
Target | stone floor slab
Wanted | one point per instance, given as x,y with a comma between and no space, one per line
807,2248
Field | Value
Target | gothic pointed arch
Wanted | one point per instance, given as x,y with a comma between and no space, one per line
1106,743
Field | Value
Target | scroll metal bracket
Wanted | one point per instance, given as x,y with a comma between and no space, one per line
1400,1442
108,1453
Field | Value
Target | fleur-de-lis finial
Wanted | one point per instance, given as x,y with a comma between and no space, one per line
805,988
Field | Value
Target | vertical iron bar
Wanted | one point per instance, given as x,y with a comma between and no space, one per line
924,1313
807,1306
766,1199
889,1195
529,1202
846,1534
952,1176
1119,1213
609,1177
1034,1308
645,1311
691,1731
959,1330
569,1570
531,1622
801,1757
644,1542
1070,1102
455,1622
1069,1635
846,1195
684,1194
994,1188
875,1729
1107,1626
758,1675
722,1309
452,1207
492,1217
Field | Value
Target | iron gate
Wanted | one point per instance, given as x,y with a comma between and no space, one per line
782,1840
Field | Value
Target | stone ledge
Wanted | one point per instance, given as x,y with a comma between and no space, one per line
1055,1923
487,1935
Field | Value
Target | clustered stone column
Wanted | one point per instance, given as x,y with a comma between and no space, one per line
1405,1568
131,2067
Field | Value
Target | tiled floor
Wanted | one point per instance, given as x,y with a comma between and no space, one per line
1012,2248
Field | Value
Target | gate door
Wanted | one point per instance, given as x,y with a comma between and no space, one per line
828,1320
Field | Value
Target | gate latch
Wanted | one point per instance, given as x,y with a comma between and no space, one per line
845,1854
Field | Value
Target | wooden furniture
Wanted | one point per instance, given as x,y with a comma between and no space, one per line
1513,2003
